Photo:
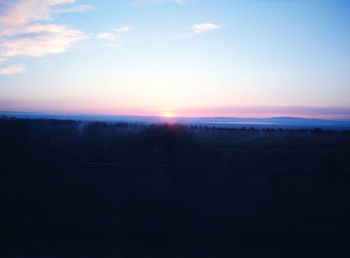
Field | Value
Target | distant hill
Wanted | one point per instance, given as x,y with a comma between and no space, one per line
273,122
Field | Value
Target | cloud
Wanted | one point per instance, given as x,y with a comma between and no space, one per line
202,27
39,40
113,35
178,2
21,12
24,30
183,1
75,9
14,69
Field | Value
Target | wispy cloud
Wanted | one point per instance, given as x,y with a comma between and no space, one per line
39,40
178,2
113,35
24,31
24,11
202,27
184,1
12,69
75,9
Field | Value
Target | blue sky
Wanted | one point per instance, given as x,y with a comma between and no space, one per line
190,58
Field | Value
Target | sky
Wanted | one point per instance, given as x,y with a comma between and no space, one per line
242,58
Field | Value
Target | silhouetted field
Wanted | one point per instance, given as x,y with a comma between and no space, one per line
74,189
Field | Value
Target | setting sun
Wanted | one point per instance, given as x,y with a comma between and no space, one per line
168,114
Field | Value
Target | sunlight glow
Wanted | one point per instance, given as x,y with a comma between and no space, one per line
168,114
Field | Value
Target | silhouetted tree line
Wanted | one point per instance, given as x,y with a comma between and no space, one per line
39,140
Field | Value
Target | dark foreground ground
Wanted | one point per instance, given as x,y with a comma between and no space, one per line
71,189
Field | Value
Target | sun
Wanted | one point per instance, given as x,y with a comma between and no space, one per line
168,114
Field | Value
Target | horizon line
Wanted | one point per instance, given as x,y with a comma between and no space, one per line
72,114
